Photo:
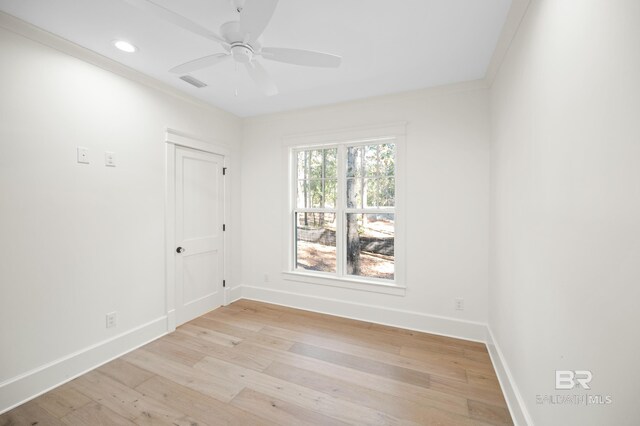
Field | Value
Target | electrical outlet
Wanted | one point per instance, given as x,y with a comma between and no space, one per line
112,318
83,155
109,159
266,278
458,304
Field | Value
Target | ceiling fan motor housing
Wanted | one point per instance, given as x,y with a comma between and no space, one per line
242,52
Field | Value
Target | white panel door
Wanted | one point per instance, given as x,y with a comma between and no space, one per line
199,233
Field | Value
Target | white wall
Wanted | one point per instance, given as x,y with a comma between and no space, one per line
447,169
79,241
558,286
565,262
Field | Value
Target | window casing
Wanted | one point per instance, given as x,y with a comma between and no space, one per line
343,214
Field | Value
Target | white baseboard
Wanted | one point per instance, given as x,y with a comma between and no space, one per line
451,327
517,407
171,320
232,294
31,384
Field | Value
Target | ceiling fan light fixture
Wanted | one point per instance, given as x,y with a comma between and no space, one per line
242,53
125,46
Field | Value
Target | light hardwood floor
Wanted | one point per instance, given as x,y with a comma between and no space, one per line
253,363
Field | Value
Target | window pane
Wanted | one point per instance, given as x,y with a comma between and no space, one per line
316,193
380,160
316,242
370,245
370,192
331,163
317,178
330,189
371,160
380,192
317,164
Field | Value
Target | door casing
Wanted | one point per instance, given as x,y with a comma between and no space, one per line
173,139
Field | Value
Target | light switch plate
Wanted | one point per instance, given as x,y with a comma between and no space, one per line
109,159
83,155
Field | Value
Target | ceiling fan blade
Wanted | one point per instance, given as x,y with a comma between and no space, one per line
301,57
176,19
255,17
198,64
260,76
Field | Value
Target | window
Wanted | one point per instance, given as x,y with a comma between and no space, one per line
344,201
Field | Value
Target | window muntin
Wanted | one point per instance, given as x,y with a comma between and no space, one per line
344,210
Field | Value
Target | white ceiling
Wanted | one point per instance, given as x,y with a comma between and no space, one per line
387,46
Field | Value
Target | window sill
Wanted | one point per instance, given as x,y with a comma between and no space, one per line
349,283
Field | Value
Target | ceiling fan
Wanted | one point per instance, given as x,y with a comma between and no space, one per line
241,40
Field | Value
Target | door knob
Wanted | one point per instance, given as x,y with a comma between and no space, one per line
180,250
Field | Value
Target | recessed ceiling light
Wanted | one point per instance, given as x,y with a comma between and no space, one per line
125,46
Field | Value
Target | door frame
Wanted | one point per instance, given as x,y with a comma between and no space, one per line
174,139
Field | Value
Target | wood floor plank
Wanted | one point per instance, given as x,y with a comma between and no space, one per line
262,310
125,401
379,368
418,394
395,406
306,321
241,358
489,413
321,339
300,314
354,336
29,414
427,347
476,355
469,391
235,319
436,365
96,415
246,335
252,363
170,350
223,390
231,330
379,340
488,381
413,335
300,395
209,335
443,359
62,400
127,373
343,327
281,412
204,409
